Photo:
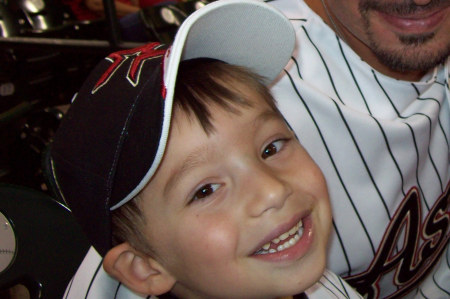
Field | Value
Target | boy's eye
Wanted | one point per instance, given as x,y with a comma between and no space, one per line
273,148
205,191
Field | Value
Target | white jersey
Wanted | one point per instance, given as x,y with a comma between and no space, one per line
92,282
383,145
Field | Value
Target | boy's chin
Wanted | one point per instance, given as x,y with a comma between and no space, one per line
296,285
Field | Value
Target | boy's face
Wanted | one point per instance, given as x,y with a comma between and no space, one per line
217,200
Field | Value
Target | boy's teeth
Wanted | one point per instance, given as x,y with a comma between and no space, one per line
296,231
289,243
284,236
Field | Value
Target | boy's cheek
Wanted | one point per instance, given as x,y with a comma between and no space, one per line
209,238
311,184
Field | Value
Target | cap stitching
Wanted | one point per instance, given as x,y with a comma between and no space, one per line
112,171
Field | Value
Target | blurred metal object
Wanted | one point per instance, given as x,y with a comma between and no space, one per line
43,15
48,244
9,24
113,22
162,21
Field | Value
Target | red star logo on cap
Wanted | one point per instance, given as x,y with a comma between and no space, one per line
138,55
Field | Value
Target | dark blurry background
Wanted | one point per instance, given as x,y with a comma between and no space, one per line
46,51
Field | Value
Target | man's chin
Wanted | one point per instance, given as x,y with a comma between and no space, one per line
414,57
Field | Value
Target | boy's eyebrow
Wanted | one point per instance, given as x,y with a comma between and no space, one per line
266,116
198,156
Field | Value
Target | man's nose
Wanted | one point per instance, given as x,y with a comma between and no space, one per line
265,190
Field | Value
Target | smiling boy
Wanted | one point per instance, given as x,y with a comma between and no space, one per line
221,198
184,174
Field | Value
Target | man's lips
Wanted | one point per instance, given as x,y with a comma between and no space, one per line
416,23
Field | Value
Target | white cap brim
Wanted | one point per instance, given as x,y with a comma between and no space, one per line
248,33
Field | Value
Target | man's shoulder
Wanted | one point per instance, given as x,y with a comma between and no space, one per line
292,9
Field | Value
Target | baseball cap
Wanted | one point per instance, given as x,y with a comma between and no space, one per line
113,137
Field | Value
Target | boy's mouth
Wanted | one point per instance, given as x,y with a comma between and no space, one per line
283,241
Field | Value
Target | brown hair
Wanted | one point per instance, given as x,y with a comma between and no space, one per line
200,83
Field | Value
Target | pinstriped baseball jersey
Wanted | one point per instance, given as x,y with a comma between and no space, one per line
383,145
92,282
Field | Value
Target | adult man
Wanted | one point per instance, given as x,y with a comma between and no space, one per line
371,78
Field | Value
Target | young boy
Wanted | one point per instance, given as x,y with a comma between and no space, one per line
184,174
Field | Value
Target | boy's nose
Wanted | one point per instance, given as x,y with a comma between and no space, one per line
265,190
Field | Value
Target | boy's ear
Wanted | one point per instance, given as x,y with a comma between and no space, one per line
139,272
